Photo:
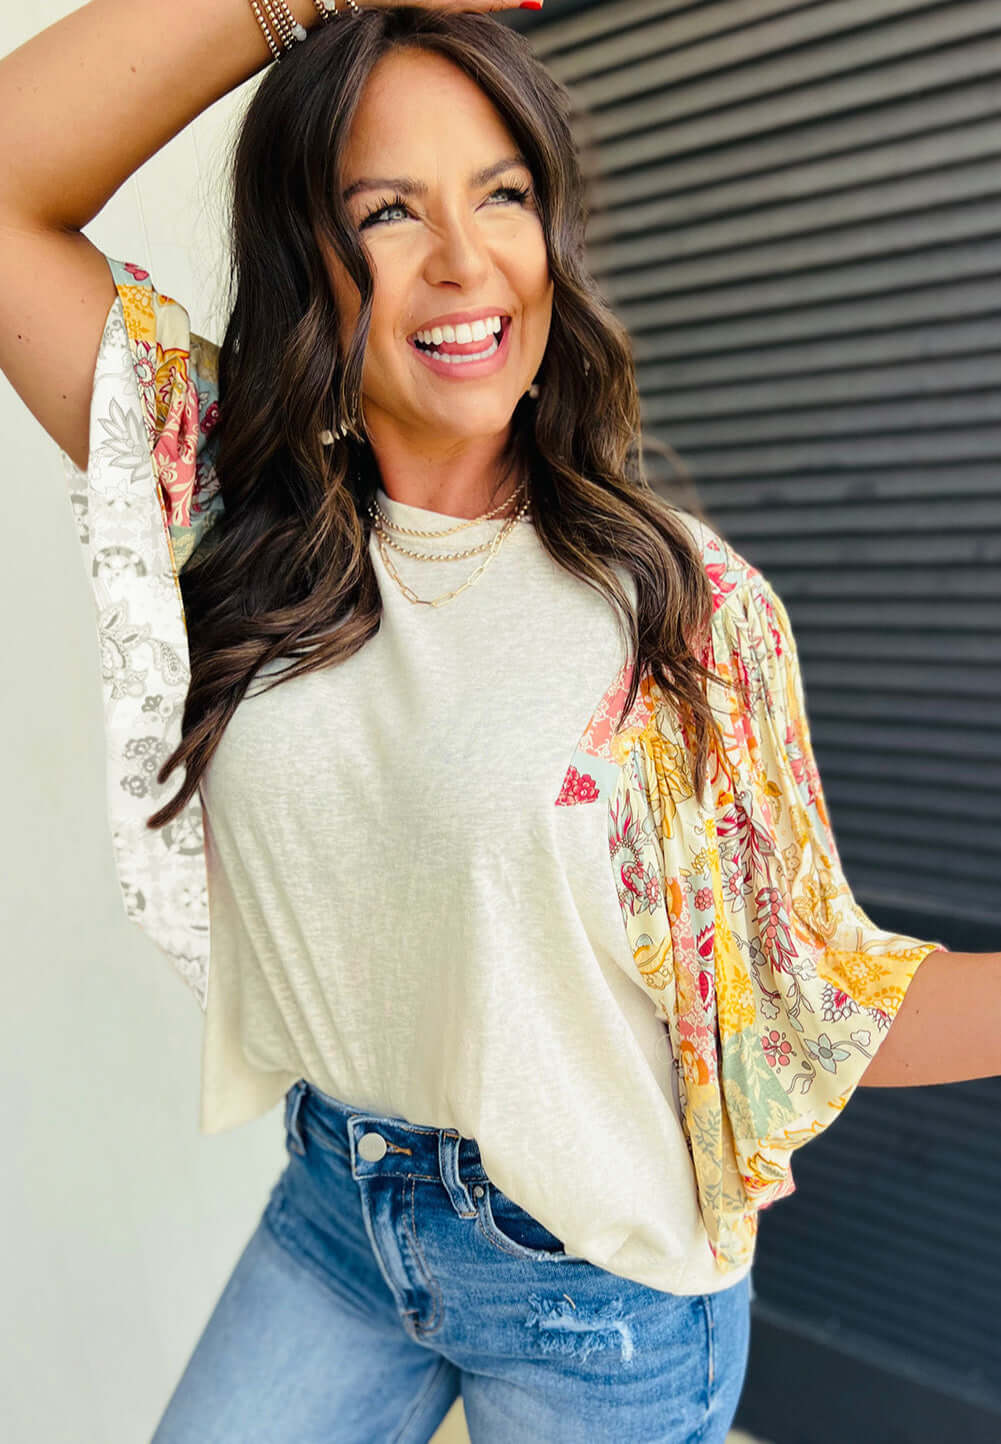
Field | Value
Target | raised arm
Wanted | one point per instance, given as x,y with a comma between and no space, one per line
83,105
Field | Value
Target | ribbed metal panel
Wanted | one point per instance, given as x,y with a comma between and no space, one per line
796,210
893,1238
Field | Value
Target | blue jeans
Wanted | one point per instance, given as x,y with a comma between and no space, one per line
388,1274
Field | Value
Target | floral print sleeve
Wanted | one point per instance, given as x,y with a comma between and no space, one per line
776,987
148,497
177,377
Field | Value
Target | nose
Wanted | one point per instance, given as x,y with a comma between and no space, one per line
458,254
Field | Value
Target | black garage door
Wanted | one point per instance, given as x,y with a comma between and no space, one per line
796,210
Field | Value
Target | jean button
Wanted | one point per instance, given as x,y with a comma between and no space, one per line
372,1147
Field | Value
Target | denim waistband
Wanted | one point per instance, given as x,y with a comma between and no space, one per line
378,1143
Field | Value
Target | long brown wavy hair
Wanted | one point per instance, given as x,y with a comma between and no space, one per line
286,571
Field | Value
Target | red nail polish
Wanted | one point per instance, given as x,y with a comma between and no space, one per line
530,5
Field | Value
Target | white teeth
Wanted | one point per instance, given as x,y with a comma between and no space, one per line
464,360
473,331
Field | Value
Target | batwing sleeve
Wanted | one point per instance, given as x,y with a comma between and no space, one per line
805,984
776,988
147,500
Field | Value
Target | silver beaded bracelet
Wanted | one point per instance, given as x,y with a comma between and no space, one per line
285,30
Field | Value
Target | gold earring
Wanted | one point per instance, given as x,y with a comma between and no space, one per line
327,438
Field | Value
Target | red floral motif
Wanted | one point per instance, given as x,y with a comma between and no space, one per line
577,787
838,1004
706,989
778,1049
717,574
704,899
136,271
176,447
640,886
633,876
733,886
705,940
751,844
803,770
773,627
211,417
740,667
773,929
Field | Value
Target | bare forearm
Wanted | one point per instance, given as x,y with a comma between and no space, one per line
85,102
948,1027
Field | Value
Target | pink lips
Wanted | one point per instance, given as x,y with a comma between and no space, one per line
467,370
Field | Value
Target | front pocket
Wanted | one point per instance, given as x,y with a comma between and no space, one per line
514,1231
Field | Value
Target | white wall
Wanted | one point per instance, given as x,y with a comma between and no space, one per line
119,1222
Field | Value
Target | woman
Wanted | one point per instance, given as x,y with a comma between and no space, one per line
523,891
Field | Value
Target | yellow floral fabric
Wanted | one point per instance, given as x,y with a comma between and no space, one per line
775,986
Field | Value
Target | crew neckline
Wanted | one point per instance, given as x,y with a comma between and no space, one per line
421,517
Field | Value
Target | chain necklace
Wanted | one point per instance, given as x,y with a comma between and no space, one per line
471,521
386,522
383,523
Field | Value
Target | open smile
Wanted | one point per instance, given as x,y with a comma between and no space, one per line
469,360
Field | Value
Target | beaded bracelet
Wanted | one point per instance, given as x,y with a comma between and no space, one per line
285,27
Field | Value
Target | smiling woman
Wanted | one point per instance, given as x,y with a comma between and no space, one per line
389,215
523,896
456,222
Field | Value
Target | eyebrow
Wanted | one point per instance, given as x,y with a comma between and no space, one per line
407,186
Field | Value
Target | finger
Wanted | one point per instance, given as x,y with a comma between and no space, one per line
481,6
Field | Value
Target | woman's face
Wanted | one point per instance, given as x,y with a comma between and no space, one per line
459,239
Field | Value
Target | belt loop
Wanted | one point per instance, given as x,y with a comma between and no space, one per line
449,1142
293,1135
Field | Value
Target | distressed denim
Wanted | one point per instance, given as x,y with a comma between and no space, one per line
389,1274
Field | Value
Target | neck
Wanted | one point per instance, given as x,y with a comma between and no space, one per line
464,479
503,502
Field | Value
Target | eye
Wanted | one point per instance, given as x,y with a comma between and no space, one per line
520,195
396,204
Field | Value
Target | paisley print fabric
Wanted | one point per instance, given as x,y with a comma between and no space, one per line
148,496
774,985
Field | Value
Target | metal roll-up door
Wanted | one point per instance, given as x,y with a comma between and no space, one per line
796,211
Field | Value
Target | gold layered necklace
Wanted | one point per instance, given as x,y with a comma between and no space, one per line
384,525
